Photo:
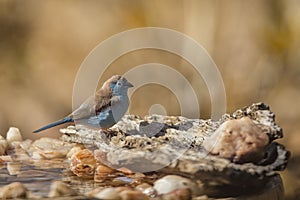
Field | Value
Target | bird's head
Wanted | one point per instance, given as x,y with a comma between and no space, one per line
118,84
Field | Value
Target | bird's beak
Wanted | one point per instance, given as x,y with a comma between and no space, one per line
128,84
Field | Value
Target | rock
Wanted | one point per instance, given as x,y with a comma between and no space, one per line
103,172
3,145
83,164
174,146
49,148
239,140
102,169
60,189
107,193
13,168
93,192
125,170
146,189
6,158
13,190
13,135
73,151
178,194
121,180
132,195
25,145
171,183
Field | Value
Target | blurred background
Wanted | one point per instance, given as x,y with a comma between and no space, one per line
255,44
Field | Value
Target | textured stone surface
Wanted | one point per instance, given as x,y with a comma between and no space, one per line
174,145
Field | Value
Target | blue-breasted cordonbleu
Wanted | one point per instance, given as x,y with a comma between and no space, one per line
102,110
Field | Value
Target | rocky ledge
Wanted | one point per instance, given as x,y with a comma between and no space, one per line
234,155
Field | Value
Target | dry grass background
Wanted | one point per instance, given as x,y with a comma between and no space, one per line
255,44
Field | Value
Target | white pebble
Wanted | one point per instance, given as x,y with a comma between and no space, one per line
13,135
170,183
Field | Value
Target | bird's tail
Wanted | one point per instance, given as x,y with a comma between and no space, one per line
62,121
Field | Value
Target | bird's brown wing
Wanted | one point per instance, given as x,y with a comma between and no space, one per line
93,105
103,100
96,103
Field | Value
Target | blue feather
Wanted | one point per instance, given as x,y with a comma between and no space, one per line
104,119
63,121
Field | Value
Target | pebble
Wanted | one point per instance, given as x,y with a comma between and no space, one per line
107,193
60,189
25,145
123,180
132,195
73,151
125,170
170,183
103,169
49,148
3,145
6,158
103,172
146,189
13,168
83,163
239,140
178,194
13,135
13,190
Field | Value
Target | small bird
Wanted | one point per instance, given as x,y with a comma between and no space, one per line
102,110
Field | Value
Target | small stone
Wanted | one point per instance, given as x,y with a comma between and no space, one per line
107,193
26,144
125,170
139,175
178,194
13,190
132,195
170,183
123,180
146,189
93,192
6,158
60,189
13,135
239,140
103,169
49,148
73,151
122,188
103,172
37,155
15,144
13,168
3,145
83,163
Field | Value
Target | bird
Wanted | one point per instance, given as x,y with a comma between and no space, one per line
101,110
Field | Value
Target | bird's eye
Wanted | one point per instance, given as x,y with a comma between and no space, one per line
118,83
112,85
